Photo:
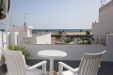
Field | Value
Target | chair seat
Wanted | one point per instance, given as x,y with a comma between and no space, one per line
34,72
69,73
16,64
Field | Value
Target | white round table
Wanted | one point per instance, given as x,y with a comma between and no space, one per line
51,55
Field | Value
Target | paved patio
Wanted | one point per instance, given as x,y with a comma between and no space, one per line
106,67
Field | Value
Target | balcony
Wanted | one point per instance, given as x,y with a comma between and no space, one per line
27,42
74,49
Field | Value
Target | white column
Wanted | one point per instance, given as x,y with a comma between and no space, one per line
51,66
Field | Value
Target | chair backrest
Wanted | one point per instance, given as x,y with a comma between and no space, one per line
90,63
15,63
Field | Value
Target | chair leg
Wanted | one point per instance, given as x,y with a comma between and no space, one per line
44,69
60,69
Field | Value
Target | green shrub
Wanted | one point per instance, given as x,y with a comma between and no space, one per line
22,49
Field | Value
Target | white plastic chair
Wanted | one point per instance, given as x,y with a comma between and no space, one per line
89,65
16,65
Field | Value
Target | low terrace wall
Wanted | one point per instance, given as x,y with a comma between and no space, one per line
74,51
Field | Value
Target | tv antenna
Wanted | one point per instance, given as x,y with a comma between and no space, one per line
102,2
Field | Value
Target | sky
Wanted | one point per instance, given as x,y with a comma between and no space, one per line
54,14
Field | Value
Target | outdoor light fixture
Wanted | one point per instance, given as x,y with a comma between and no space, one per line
4,8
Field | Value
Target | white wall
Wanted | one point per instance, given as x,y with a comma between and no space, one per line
19,35
105,25
109,45
29,31
109,40
13,38
74,51
2,39
44,39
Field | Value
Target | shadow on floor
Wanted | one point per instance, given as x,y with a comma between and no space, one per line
106,67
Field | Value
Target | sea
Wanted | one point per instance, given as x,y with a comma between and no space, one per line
61,30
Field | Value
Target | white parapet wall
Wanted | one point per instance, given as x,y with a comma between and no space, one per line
74,51
109,45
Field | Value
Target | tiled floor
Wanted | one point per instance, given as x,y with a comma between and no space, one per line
106,67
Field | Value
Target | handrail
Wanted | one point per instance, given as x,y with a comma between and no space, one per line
42,63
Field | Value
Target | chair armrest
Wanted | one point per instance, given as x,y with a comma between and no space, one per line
63,65
37,65
76,69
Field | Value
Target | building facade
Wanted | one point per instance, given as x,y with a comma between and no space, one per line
105,25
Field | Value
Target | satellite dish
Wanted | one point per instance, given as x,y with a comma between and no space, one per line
4,8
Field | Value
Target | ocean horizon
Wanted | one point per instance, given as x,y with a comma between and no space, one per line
61,30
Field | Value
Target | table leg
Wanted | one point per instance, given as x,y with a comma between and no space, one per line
51,66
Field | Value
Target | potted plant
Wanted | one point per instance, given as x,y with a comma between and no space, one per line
22,49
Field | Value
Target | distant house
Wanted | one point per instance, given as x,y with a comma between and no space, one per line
41,38
63,35
19,35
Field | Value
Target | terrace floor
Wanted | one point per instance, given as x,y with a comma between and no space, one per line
106,67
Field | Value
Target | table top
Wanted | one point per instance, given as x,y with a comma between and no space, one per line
52,53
